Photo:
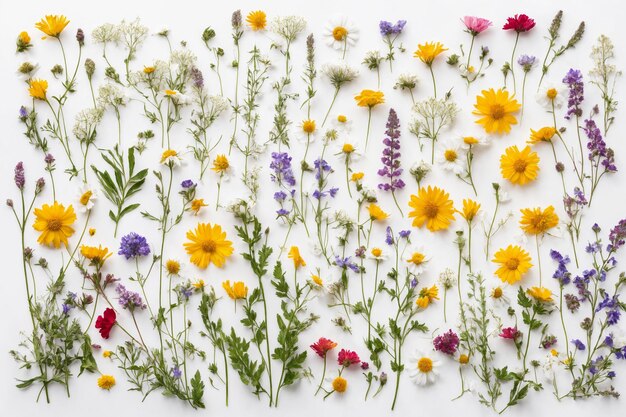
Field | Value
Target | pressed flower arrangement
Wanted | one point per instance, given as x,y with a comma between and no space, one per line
244,229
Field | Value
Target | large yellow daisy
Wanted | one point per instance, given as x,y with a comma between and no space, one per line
428,51
207,245
496,109
433,207
519,167
55,224
257,20
536,221
52,25
514,263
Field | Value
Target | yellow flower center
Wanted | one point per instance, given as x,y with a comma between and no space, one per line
470,69
316,279
221,164
347,148
173,267
209,246
512,264
417,258
148,70
450,155
463,359
497,292
54,225
84,199
377,252
470,140
308,126
520,165
170,92
342,119
340,33
431,210
551,93
497,111
425,365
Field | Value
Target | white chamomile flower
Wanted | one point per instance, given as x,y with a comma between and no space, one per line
472,141
340,33
551,96
415,257
86,198
499,297
348,147
171,157
342,124
175,95
422,368
550,364
377,254
451,156
307,131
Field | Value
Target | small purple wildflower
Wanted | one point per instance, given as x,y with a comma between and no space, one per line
389,236
176,372
197,78
133,246
404,234
561,274
187,184
574,81
281,165
20,178
346,263
617,236
612,307
578,344
391,155
388,29
280,196
23,112
129,299
49,159
599,154
526,62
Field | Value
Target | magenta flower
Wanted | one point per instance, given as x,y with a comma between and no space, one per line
519,23
346,358
510,333
476,25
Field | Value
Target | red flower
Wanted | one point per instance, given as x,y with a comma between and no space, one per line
510,333
106,322
322,346
519,23
346,358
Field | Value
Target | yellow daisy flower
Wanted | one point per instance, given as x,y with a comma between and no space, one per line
52,25
376,213
197,204
317,280
433,207
514,263
369,98
427,296
540,294
237,291
545,134
96,255
496,109
55,224
536,221
294,254
208,244
107,354
428,51
519,167
172,267
37,88
357,176
106,382
470,209
257,20
220,164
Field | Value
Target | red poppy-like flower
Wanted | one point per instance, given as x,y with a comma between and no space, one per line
519,23
510,333
105,322
346,358
322,346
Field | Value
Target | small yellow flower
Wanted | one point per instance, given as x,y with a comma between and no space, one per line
376,252
92,231
37,88
357,176
497,293
369,98
470,140
197,204
537,221
294,254
428,51
308,126
167,155
96,255
463,359
316,279
427,296
545,134
342,118
376,213
554,352
220,164
55,224
106,382
417,258
52,25
24,37
339,33
237,291
257,20
540,294
148,70
470,209
199,284
172,267
551,93
340,384
107,354
347,148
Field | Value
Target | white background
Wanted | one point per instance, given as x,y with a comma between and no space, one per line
436,21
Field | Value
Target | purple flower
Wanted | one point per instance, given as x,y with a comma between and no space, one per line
574,81
23,112
281,165
187,184
346,263
599,154
282,212
365,366
404,234
133,246
617,236
129,299
526,62
612,307
446,343
20,179
579,345
197,78
176,372
391,155
49,159
280,196
333,192
561,274
387,29
321,166
389,236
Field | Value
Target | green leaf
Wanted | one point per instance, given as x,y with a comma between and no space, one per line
197,390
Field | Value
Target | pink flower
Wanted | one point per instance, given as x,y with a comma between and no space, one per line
346,358
510,333
519,23
476,25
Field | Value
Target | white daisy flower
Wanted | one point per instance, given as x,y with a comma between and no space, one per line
340,33
415,257
550,365
86,198
377,254
422,368
451,156
347,146
342,124
175,95
551,95
499,297
307,131
171,157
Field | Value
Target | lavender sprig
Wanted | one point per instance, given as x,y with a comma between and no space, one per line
391,158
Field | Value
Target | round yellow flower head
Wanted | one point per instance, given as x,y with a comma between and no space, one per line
237,291
519,167
107,354
55,224
257,20
431,207
106,382
540,294
470,140
148,70
340,384
513,263
308,126
369,98
340,33
537,221
220,164
463,359
342,118
376,252
376,213
97,255
357,176
207,244
92,231
496,109
428,51
172,267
